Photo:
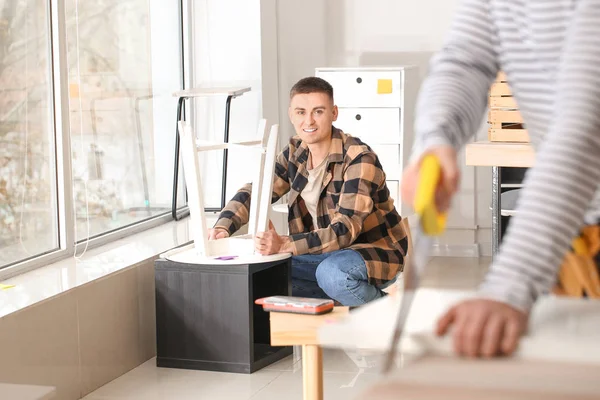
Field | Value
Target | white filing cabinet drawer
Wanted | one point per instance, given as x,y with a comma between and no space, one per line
371,125
360,88
389,157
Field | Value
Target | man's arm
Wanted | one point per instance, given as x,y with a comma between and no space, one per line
561,185
453,97
362,179
237,211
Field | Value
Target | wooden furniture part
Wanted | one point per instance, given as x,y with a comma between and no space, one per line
493,154
376,104
505,120
297,329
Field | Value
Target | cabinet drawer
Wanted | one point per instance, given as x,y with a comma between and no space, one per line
371,125
360,88
389,158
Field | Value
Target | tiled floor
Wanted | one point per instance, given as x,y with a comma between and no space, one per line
346,373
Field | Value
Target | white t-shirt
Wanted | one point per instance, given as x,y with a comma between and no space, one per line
312,190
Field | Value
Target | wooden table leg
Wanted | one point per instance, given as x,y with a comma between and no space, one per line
312,372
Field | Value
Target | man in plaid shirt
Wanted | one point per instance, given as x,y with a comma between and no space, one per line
345,234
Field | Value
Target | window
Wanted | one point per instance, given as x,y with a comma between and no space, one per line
123,62
28,209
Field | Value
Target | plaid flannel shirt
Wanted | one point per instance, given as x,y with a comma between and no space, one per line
355,209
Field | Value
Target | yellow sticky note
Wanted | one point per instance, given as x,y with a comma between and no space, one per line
384,86
4,287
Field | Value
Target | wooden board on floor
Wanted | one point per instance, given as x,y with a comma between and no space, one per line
464,379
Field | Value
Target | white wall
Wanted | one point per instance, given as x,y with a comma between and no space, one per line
336,33
389,26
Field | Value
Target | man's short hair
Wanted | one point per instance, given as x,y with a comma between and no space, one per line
312,84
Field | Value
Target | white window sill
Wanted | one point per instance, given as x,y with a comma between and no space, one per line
42,283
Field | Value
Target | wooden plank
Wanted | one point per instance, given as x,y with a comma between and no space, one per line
312,372
432,377
497,154
500,89
289,329
505,116
503,102
390,390
508,135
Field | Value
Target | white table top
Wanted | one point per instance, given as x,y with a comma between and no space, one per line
10,391
188,255
499,154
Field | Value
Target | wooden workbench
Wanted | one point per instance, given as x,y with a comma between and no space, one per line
496,155
499,154
289,329
557,358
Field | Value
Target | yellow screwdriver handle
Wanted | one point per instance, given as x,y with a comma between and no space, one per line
432,222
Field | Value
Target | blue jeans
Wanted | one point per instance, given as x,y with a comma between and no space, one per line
340,275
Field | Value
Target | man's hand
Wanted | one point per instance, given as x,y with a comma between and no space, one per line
484,327
448,183
270,242
217,233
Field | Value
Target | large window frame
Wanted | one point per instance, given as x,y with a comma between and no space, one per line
67,247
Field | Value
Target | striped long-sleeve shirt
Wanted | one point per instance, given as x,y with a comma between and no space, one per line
550,52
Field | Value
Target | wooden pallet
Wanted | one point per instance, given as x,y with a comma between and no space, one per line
505,120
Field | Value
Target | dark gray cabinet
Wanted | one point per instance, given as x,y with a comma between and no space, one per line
206,317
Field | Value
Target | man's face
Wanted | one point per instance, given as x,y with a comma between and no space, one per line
312,115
